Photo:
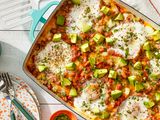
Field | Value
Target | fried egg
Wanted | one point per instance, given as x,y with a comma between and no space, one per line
93,96
133,108
129,38
56,55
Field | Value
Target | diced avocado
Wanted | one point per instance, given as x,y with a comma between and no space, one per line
136,19
156,35
42,68
154,76
110,41
119,17
85,47
71,66
85,27
157,95
98,38
96,110
73,92
126,91
60,20
149,54
112,74
99,73
132,80
111,23
139,86
105,10
149,104
121,62
57,37
65,82
73,38
157,55
116,94
92,61
104,115
76,1
146,46
138,65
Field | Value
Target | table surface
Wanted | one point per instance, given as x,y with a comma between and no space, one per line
15,45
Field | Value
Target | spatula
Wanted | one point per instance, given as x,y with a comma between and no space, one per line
16,12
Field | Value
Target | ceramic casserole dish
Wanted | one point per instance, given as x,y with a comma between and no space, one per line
100,58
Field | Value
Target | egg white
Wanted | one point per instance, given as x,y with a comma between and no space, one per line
133,108
155,63
84,104
133,44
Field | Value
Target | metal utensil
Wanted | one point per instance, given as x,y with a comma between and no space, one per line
11,96
3,88
16,12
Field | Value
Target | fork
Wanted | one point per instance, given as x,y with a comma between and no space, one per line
11,96
3,86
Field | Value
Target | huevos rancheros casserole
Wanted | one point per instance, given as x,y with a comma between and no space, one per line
102,60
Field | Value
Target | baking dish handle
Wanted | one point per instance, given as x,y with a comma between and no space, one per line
37,16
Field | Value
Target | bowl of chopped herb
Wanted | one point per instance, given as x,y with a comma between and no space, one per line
63,115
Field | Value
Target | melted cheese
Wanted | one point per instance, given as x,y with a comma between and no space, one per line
133,109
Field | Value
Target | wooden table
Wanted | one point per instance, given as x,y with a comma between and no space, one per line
18,38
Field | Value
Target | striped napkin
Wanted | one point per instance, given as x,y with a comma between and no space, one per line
150,8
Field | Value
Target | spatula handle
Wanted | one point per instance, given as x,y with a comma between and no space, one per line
21,108
37,16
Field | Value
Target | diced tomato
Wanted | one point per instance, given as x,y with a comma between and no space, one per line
75,48
100,65
125,72
82,74
84,57
88,76
78,54
117,103
49,87
74,58
71,74
110,81
69,97
145,73
91,42
76,78
86,63
101,49
119,86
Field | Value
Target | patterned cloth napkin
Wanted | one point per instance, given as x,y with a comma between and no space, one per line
150,8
